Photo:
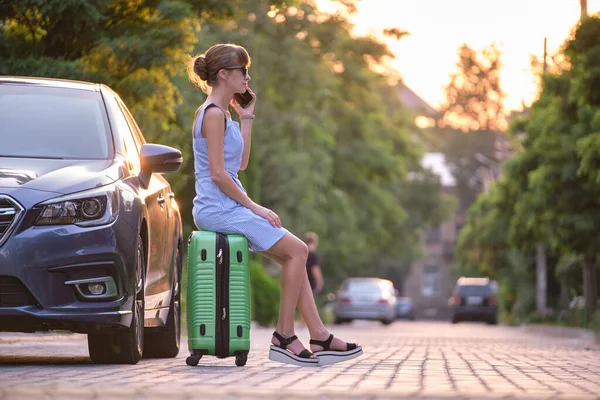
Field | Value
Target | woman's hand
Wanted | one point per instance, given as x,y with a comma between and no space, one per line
245,111
267,214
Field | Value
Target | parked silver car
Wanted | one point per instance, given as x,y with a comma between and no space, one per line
366,298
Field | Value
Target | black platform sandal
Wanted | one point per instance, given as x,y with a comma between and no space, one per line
328,356
283,355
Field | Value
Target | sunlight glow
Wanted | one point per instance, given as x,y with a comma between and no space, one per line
437,28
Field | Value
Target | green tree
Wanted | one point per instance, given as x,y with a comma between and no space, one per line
135,47
331,142
555,195
471,120
474,95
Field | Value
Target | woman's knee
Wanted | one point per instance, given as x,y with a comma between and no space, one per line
301,250
290,247
293,248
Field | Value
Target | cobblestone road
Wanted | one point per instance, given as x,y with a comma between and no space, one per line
403,360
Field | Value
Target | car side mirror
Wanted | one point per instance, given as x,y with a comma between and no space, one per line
159,159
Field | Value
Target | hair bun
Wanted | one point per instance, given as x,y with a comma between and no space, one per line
200,67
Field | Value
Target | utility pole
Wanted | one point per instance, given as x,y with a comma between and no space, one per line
546,52
583,4
541,265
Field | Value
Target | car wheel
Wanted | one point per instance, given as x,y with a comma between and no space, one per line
493,321
163,342
124,346
386,321
455,320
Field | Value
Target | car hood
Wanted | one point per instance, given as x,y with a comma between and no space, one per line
57,176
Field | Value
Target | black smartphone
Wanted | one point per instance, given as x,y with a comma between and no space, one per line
243,99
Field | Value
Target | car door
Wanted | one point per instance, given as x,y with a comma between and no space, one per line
171,211
156,198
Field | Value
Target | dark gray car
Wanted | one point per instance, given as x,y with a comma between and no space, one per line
90,232
474,299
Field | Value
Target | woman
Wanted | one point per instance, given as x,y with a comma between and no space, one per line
221,149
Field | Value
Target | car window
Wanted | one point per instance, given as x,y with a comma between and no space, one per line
133,156
135,129
40,122
474,290
131,147
363,286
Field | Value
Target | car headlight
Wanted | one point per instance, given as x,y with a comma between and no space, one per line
90,208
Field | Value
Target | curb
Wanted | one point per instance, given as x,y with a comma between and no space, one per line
562,332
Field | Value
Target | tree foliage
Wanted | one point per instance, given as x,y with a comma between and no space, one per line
474,96
332,142
471,120
549,193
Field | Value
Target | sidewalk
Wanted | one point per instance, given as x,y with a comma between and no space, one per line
420,360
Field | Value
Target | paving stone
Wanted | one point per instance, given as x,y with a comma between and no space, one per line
423,360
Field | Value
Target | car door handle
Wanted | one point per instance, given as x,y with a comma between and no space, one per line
161,199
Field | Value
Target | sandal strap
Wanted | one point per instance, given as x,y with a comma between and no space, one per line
284,342
305,354
325,344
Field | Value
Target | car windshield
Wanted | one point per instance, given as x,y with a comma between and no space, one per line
50,122
363,286
474,290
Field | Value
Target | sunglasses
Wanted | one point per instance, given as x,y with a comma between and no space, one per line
243,68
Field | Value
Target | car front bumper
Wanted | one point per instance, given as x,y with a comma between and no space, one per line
38,266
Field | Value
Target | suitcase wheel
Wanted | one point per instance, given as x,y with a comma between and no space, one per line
193,360
240,359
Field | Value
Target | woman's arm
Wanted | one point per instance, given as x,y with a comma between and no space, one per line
213,129
246,118
214,132
247,135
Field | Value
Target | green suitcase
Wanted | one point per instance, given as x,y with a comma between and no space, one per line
218,297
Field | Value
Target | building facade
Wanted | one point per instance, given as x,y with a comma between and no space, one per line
433,276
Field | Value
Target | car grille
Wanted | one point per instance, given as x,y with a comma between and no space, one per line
10,212
13,293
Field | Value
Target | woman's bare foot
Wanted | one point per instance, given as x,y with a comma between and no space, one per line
295,346
337,344
332,350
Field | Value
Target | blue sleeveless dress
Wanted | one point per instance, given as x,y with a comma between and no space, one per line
213,210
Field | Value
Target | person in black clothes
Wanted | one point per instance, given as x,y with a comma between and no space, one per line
313,264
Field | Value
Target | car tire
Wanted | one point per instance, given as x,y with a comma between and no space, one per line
126,345
164,342
455,320
387,321
493,321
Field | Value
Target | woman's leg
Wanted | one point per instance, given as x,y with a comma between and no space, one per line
309,311
291,252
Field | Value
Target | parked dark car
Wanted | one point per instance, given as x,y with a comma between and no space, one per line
90,232
474,299
405,308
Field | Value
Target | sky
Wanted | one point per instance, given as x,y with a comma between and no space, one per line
437,29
